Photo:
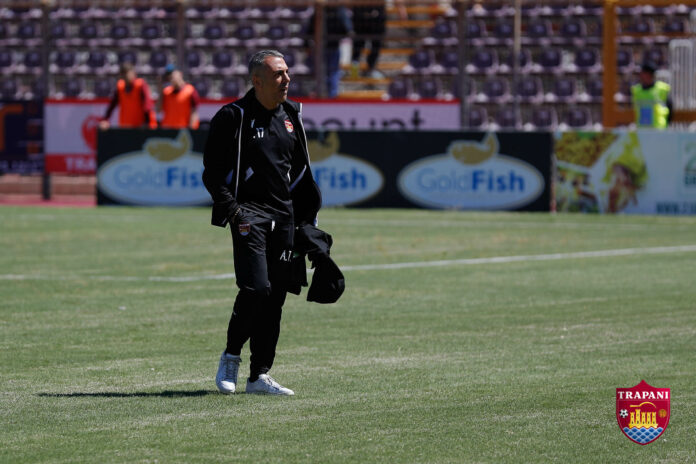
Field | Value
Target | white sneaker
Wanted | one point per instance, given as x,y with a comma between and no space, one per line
267,386
226,378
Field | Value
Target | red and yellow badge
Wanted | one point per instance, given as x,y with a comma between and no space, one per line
642,412
244,229
288,126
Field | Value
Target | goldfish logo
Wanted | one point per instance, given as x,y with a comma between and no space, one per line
643,412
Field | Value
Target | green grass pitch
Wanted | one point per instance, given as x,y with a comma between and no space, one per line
112,323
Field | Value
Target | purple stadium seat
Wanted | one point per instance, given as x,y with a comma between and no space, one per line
624,59
675,26
202,87
594,88
468,89
232,88
550,59
222,59
103,88
65,59
443,34
563,90
524,62
538,32
5,60
127,56
8,89
476,32
87,31
483,60
96,59
641,25
587,60
150,32
193,59
57,31
158,59
32,59
72,88
572,29
494,89
243,35
477,117
529,89
399,88
543,117
428,88
503,32
27,30
3,31
449,60
655,55
578,117
213,32
507,118
419,62
623,95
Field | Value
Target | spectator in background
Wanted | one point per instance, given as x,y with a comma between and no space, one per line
179,102
133,96
370,24
338,26
651,99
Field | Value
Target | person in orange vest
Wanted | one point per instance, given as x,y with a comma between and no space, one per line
179,102
133,96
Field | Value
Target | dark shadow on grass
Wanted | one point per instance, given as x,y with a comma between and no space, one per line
162,394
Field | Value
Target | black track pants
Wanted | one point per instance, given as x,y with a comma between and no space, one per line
262,253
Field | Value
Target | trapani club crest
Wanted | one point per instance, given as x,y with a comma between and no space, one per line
642,412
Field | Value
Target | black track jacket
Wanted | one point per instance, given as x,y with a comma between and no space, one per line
223,161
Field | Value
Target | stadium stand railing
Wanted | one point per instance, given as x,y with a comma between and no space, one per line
574,68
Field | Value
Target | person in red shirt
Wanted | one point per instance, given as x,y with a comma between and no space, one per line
133,96
179,102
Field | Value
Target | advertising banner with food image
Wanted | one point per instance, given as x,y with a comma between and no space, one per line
643,172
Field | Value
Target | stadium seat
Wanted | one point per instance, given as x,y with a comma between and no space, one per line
418,62
524,62
87,32
399,88
543,117
529,89
63,62
103,88
538,33
674,25
127,56
96,60
563,90
483,60
57,31
587,61
428,88
593,89
8,89
27,30
623,94
202,87
572,30
578,118
506,118
442,34
193,60
296,68
624,60
476,32
503,32
222,62
495,90
213,32
32,60
5,61
150,32
456,91
447,62
232,88
244,36
550,60
72,88
477,117
157,62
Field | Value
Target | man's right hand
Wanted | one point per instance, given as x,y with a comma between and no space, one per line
104,124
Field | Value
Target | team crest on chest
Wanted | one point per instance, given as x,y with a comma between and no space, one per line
288,126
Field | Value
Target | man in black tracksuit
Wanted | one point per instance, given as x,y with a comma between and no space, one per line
257,172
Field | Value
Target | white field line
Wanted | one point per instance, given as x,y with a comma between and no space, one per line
390,266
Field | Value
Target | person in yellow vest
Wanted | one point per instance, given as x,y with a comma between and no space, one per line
133,96
651,99
179,101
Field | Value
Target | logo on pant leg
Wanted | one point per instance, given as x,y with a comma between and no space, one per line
244,229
